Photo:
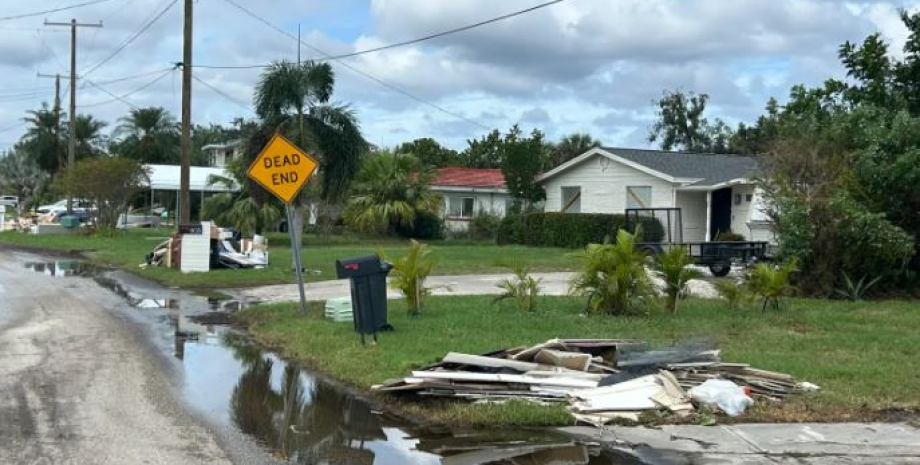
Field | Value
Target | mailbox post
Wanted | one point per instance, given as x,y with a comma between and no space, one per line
368,276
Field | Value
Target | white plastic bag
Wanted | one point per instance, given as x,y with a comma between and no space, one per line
727,395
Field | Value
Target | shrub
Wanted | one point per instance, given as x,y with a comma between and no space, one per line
728,236
427,226
732,292
771,283
409,274
523,289
572,230
485,225
613,277
108,183
673,267
855,290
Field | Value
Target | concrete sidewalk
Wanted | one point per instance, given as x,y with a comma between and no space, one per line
806,443
485,284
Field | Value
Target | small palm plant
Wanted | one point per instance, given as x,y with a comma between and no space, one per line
409,274
613,276
855,290
673,267
523,288
771,283
733,293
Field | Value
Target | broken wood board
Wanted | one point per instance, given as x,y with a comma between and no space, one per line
502,378
579,361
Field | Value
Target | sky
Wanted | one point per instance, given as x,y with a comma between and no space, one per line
593,66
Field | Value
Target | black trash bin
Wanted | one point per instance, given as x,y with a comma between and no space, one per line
368,275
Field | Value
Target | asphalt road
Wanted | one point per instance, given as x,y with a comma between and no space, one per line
80,383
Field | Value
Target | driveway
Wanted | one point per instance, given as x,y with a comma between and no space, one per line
482,284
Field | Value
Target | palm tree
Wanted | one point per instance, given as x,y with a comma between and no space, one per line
239,209
294,99
390,190
149,135
20,174
90,141
42,140
572,146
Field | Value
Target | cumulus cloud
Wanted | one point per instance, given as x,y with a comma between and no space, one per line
587,66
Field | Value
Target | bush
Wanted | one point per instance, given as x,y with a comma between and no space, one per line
522,289
728,236
673,268
771,283
409,274
571,230
485,225
613,277
427,226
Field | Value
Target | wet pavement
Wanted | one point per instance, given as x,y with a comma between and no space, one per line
292,416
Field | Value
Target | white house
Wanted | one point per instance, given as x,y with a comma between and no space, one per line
219,155
714,193
467,191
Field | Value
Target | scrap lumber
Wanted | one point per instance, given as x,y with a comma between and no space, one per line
502,378
492,362
578,361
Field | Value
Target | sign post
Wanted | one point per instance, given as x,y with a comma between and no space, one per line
283,169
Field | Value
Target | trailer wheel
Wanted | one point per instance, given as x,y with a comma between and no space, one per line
720,269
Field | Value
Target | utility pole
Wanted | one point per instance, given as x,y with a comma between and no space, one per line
186,155
72,126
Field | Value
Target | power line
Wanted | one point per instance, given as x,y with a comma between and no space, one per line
221,93
122,98
55,10
356,70
407,42
131,39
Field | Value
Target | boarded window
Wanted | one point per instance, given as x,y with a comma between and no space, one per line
639,197
460,207
571,200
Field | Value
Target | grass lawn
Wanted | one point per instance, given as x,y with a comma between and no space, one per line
128,250
863,354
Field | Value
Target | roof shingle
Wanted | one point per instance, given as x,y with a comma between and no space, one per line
711,168
469,177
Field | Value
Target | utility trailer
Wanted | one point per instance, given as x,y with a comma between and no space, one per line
719,256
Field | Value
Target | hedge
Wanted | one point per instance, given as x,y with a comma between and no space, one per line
571,230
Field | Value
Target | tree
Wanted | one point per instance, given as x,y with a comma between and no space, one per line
430,153
572,146
682,126
391,190
294,99
90,140
42,140
239,209
21,175
523,159
483,153
613,277
148,135
109,184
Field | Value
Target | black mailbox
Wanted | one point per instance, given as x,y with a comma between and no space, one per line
368,275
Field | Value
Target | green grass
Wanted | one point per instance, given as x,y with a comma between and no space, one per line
861,353
127,251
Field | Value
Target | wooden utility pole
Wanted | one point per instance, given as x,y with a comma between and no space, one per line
72,126
186,155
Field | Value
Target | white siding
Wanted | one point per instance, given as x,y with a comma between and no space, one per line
603,185
494,202
741,213
693,214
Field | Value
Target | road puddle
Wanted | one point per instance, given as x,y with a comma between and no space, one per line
63,268
297,417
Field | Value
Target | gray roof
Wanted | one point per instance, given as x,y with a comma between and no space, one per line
711,168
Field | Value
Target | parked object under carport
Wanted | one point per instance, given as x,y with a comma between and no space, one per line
368,276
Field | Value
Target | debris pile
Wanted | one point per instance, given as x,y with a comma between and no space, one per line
601,380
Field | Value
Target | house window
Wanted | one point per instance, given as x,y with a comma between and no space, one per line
748,198
639,197
571,200
737,199
460,207
228,155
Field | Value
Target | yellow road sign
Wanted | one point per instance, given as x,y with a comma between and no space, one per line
282,168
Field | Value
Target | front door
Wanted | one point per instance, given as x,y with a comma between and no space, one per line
720,219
